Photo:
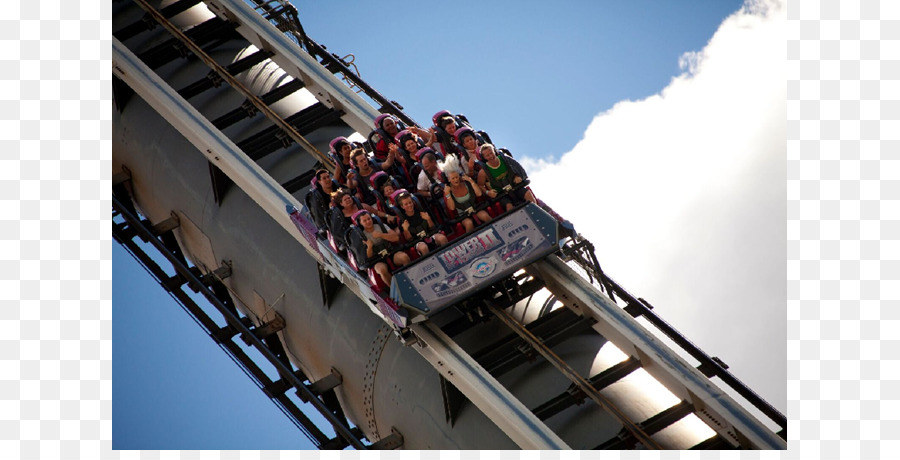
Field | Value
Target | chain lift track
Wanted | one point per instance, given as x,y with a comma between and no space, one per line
275,30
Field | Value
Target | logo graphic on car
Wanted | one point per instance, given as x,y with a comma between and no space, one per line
482,268
515,249
449,283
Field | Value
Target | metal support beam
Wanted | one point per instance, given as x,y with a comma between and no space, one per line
505,354
173,283
213,80
209,34
495,401
221,273
273,138
391,441
221,152
236,84
165,226
247,110
285,371
326,383
573,395
282,385
572,375
147,23
651,426
298,64
266,329
657,358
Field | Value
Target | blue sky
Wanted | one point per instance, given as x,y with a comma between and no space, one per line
535,78
173,388
506,68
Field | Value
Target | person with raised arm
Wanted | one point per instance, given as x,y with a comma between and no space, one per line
467,145
461,194
340,148
417,223
380,242
365,168
387,128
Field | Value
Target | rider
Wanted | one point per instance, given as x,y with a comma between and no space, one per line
467,145
365,168
388,127
340,148
417,224
430,174
501,172
378,241
461,194
324,190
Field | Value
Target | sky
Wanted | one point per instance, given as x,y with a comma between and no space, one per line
657,128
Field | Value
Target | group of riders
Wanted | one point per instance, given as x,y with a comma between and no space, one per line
415,191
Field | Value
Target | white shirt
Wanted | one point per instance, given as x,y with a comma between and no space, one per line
424,183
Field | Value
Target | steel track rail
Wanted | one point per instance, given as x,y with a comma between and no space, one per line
497,403
710,366
722,413
328,88
237,85
573,376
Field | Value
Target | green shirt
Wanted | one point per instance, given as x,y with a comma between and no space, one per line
498,173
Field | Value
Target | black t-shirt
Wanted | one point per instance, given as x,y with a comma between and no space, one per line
364,186
416,224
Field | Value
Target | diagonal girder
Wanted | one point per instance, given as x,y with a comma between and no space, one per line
212,80
274,137
572,375
194,48
600,381
211,32
246,110
651,426
234,322
147,23
507,353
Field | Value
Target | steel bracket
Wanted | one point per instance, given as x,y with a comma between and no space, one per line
390,442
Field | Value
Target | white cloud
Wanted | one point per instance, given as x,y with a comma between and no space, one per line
683,195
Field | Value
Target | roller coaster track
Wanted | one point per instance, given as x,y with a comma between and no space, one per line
572,274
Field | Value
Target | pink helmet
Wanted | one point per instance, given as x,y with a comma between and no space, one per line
356,215
380,119
462,132
441,114
337,143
